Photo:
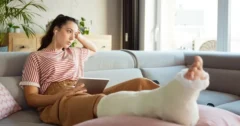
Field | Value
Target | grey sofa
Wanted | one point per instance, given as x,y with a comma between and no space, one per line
119,66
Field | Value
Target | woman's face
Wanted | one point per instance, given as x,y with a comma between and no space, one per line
66,34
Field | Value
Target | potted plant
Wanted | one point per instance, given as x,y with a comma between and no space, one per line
10,28
16,29
19,11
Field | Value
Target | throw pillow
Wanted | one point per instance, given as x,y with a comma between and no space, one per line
209,116
126,121
212,116
8,105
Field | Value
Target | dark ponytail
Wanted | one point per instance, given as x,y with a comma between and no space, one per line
59,21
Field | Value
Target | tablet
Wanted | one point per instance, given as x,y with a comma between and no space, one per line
94,85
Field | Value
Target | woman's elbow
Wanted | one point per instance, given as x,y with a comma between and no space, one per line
31,101
31,95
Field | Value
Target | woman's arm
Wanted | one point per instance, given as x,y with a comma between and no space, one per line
86,43
34,99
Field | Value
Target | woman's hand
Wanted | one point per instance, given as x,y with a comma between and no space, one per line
79,89
86,42
78,35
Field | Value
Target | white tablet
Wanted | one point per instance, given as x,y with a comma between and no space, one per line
94,85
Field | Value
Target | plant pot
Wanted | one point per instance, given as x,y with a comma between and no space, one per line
3,48
17,30
10,30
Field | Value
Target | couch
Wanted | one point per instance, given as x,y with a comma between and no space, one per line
122,65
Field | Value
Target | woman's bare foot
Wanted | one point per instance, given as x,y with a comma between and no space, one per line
196,70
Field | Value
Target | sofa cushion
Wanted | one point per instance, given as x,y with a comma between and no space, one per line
155,59
116,76
163,74
12,84
103,60
22,116
232,107
224,80
12,63
217,60
8,105
216,98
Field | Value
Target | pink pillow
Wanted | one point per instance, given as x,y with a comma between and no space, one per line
126,121
209,116
8,105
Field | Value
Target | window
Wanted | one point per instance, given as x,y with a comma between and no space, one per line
235,26
201,25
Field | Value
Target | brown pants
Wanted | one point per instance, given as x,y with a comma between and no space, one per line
71,110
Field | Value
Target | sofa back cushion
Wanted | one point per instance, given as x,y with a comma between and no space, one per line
12,63
118,66
216,60
115,76
163,75
223,68
159,65
156,59
109,60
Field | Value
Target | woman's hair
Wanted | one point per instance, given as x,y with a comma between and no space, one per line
59,21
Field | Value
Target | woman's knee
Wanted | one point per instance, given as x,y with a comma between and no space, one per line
139,79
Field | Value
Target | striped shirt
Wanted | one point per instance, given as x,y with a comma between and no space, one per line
47,66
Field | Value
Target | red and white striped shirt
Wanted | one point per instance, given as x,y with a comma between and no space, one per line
47,66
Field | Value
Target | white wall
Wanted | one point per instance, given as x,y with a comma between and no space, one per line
105,15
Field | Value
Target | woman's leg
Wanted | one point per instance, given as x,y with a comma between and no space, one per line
68,110
136,84
174,102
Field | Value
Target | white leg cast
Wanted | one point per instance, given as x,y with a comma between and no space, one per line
179,99
175,102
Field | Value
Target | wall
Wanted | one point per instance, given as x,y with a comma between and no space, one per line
105,15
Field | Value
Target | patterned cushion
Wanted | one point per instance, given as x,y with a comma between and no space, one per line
8,105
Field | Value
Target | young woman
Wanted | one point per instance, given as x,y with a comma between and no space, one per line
50,74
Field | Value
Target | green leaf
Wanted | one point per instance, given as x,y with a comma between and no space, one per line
15,26
82,24
10,24
28,30
83,19
73,44
40,7
38,25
